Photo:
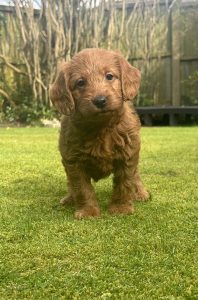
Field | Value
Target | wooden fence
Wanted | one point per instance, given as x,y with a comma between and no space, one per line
174,79
176,82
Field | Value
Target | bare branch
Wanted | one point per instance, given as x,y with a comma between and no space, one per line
2,92
11,66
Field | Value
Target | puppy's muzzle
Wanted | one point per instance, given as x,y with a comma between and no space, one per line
100,101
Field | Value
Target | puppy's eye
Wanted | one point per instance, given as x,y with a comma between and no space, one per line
80,83
109,76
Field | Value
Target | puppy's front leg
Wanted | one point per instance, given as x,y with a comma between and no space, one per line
127,187
82,192
123,194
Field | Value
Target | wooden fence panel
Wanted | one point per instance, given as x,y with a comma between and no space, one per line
176,79
172,75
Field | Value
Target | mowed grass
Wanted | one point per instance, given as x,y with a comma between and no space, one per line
46,254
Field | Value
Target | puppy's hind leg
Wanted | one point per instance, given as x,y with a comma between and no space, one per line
68,199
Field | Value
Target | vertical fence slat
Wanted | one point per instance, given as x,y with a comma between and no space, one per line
175,49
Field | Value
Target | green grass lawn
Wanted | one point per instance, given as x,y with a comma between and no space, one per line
46,254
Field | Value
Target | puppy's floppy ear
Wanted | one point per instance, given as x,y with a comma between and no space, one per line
59,92
130,79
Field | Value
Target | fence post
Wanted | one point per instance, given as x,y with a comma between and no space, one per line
175,49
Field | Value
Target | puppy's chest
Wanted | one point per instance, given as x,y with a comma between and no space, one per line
97,168
98,155
108,146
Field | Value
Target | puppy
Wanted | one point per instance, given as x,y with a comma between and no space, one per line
99,131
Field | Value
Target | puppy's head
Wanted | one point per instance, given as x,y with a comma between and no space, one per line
95,82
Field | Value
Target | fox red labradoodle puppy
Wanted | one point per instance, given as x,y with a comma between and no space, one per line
99,130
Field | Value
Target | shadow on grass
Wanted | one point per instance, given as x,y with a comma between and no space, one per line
42,194
38,197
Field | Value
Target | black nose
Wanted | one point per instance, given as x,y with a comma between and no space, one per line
100,101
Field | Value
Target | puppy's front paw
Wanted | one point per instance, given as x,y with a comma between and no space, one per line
142,195
87,212
124,209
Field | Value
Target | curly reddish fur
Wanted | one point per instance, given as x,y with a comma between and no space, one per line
97,141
